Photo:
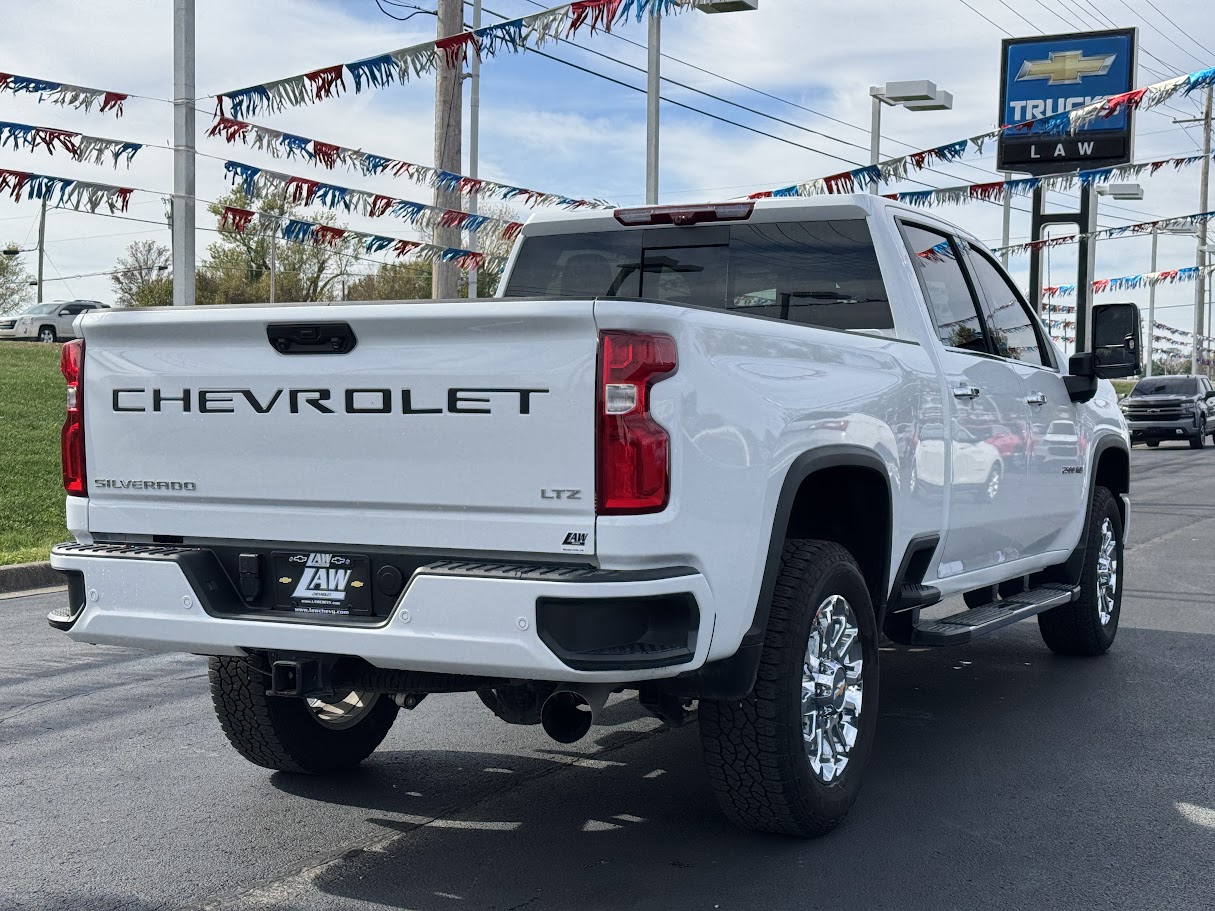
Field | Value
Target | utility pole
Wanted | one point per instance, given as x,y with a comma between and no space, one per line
183,153
41,245
449,109
474,142
653,86
273,269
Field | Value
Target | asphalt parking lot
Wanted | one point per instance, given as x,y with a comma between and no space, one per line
1004,777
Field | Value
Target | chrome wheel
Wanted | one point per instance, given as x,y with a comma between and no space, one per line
345,712
1107,572
46,335
832,688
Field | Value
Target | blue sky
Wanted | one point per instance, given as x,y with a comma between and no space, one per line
548,126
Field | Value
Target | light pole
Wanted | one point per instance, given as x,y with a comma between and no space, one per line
184,162
474,142
916,95
654,83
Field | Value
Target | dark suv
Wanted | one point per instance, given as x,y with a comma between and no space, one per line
1171,408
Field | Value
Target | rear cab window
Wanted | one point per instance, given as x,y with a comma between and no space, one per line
817,273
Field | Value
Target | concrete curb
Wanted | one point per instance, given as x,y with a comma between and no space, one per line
25,576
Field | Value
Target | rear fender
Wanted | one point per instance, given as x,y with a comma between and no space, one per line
733,677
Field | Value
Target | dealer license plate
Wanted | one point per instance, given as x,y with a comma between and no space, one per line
322,583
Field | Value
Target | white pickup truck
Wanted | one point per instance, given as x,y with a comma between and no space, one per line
706,453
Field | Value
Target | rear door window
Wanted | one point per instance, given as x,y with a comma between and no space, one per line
822,273
950,301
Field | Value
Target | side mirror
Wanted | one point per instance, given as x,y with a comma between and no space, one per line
1081,378
65,312
1116,341
1211,394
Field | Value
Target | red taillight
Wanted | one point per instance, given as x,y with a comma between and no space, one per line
634,450
71,364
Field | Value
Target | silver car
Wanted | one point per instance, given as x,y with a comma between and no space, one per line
46,322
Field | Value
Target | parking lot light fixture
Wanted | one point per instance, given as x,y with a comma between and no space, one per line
914,95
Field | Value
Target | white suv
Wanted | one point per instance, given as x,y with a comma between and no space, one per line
47,322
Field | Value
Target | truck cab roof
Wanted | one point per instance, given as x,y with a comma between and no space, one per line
801,208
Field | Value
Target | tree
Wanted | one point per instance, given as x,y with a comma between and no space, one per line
491,243
237,269
141,277
15,290
400,281
411,280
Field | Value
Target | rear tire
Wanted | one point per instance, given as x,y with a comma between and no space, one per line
287,733
1089,624
758,749
1152,444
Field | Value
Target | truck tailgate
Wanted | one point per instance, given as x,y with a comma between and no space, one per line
453,426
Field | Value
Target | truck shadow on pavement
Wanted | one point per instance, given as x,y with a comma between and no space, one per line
1002,777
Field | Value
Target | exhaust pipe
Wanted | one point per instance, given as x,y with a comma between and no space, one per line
566,717
567,714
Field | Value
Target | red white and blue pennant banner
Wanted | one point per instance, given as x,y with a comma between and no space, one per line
1059,124
298,231
996,191
78,146
1131,282
64,193
278,144
1143,227
259,182
406,63
71,96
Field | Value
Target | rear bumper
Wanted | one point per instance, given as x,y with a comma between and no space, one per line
461,618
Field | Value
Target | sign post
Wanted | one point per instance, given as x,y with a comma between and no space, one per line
1051,74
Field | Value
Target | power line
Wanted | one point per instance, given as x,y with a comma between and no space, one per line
1004,4
1150,25
989,21
1197,43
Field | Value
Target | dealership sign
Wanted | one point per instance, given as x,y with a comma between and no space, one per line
1052,74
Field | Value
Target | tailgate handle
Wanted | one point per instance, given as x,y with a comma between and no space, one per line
311,338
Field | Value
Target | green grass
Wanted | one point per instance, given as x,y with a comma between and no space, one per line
31,483
1123,387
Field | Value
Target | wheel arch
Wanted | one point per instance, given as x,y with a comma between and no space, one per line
816,487
1112,470
1110,467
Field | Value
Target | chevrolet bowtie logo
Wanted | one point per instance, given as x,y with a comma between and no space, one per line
1066,67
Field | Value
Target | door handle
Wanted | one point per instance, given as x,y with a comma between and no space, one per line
1038,398
966,392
